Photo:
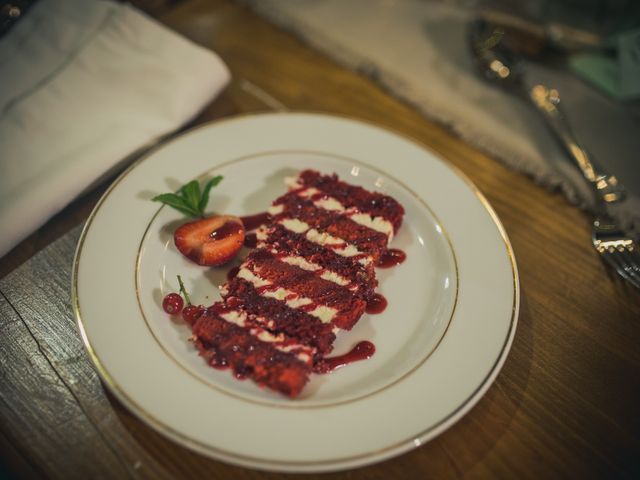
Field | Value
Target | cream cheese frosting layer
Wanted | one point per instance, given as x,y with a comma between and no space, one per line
304,264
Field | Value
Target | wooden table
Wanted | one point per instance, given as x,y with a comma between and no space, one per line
564,405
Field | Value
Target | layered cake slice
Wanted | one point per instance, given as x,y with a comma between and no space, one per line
311,275
276,315
229,337
371,209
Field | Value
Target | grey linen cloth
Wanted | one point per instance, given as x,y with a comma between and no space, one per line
418,51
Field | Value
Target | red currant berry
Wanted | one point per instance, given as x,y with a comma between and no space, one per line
191,313
172,303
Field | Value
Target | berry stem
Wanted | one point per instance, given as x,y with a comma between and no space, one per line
183,291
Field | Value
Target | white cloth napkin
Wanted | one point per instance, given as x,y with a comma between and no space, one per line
418,50
84,84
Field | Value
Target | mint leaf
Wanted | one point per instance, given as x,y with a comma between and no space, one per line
204,199
191,194
176,202
189,199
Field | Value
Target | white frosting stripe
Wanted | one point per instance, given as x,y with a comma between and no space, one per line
294,225
335,278
330,204
299,262
275,210
305,264
379,224
291,299
342,248
308,192
249,276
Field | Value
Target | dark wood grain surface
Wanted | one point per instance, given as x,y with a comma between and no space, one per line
564,406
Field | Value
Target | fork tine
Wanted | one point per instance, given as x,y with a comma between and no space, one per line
609,260
632,262
614,260
624,269
635,283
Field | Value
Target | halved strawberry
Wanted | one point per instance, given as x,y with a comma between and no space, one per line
210,241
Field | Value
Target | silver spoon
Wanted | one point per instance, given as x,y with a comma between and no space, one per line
502,66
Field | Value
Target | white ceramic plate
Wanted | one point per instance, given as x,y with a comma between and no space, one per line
440,343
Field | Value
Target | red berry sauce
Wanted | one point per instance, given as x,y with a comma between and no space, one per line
225,230
376,304
251,222
218,362
231,274
391,257
361,351
251,240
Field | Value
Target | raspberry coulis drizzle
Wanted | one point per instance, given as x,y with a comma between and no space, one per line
226,230
231,274
391,257
218,362
376,304
251,222
251,240
361,351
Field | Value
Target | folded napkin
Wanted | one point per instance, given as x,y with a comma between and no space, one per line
84,84
418,49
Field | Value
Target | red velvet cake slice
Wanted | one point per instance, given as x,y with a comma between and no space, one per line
227,337
375,210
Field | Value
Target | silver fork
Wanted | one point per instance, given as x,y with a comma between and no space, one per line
617,249
503,67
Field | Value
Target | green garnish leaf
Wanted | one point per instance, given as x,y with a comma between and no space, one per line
204,199
176,202
189,199
191,193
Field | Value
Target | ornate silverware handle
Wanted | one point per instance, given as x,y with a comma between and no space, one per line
606,187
